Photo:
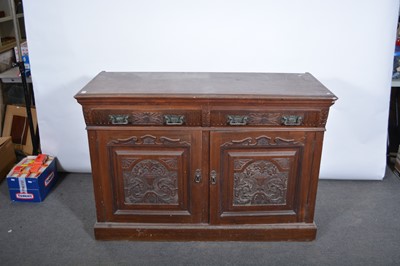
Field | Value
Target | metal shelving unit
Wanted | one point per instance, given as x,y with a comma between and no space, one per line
10,33
12,30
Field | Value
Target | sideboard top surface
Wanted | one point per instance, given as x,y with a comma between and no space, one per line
205,85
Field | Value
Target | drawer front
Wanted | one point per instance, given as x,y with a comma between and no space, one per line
280,118
143,117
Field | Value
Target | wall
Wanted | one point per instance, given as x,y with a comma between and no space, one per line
347,45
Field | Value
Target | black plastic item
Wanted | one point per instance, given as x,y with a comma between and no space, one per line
13,93
28,100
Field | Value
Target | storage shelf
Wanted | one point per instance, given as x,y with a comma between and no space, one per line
7,46
13,76
9,18
6,19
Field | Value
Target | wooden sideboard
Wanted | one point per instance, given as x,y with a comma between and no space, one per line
205,156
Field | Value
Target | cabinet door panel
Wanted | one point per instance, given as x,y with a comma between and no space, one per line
152,176
258,176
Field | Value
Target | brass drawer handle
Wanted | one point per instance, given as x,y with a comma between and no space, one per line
174,120
237,120
292,120
118,119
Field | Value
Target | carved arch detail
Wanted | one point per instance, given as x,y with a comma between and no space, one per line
264,141
148,140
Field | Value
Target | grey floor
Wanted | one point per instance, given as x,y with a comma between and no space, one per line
358,224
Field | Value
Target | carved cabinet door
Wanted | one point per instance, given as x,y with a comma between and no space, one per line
257,176
153,176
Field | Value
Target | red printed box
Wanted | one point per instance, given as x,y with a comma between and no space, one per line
32,178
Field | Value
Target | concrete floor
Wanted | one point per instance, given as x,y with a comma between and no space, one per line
358,224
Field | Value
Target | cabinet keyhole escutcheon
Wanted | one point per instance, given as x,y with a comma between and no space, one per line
213,177
197,176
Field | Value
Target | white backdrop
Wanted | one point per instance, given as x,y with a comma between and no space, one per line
347,45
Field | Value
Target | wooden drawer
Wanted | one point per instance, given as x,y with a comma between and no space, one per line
143,116
268,117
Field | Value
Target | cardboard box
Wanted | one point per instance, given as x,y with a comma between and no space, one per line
7,155
26,184
16,125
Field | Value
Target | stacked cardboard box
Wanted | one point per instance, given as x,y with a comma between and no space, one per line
16,125
7,156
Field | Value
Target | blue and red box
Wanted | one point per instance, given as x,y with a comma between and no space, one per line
32,178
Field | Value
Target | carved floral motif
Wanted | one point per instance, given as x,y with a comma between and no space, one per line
147,118
239,163
284,163
126,163
260,183
171,162
264,118
150,182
